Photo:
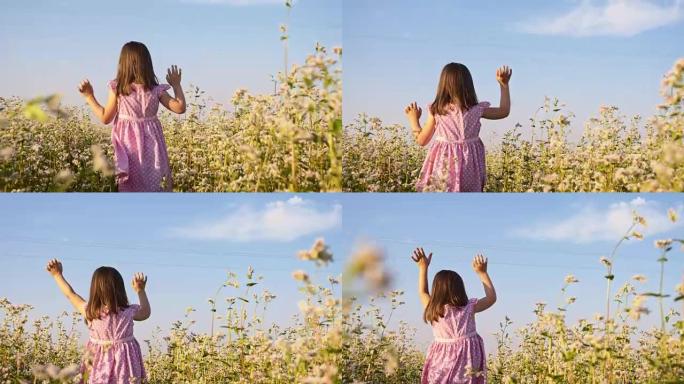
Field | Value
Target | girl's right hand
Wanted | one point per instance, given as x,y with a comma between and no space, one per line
413,111
54,267
173,75
139,282
86,88
420,258
480,264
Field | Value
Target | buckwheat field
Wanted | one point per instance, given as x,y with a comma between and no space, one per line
354,339
613,154
285,141
608,347
244,344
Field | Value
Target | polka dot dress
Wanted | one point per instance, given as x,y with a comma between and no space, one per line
457,354
142,163
456,157
113,355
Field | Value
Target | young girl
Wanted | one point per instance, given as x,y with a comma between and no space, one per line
457,353
142,164
456,158
112,354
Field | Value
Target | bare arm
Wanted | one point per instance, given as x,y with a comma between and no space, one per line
480,267
422,135
104,114
139,283
423,264
503,76
176,103
54,267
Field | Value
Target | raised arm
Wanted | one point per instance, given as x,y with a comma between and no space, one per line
422,135
54,267
480,267
423,264
139,282
176,103
104,114
503,76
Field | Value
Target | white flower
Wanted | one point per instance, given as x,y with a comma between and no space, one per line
570,279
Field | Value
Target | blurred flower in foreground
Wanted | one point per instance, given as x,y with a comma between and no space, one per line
319,253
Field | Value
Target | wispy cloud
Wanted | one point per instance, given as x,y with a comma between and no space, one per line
607,18
609,223
277,221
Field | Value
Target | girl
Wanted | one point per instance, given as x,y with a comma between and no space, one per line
456,158
112,354
457,354
142,164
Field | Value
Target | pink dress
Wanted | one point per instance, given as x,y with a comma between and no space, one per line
142,164
456,158
457,353
113,355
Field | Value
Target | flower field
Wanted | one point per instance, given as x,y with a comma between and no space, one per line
336,338
608,348
286,141
242,346
613,154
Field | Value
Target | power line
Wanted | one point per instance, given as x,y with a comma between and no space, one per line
124,262
509,249
138,247
487,246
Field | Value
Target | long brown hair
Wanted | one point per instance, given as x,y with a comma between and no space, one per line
135,66
107,291
447,289
455,87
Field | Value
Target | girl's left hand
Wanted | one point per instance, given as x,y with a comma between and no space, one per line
480,264
413,111
503,75
139,282
173,75
420,258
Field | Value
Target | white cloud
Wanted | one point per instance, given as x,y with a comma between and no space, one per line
591,224
276,221
608,18
239,3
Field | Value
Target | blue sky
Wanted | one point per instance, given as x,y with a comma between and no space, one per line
532,241
221,45
185,244
395,50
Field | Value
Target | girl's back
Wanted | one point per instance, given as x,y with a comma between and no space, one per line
455,161
457,352
140,104
142,162
114,353
458,126
457,323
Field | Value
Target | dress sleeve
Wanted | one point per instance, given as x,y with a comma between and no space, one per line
111,84
161,88
133,309
480,109
471,304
